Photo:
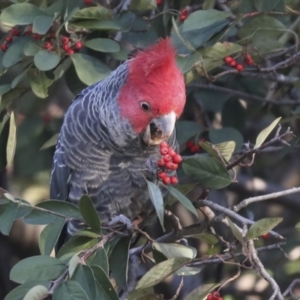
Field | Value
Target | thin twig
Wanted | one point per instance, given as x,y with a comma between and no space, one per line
289,290
248,201
178,290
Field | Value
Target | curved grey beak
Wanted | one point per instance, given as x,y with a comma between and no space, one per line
160,129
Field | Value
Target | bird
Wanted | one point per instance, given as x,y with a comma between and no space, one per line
108,145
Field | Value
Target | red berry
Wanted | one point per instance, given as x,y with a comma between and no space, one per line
87,2
177,159
8,39
216,295
52,35
183,14
15,32
66,47
161,163
159,2
171,166
162,175
164,150
47,118
210,297
249,62
171,152
247,57
164,145
174,180
233,64
189,144
65,40
78,45
195,149
228,59
47,45
239,67
167,158
266,236
70,51
36,36
4,47
166,180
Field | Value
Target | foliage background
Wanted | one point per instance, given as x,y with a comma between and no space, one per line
222,104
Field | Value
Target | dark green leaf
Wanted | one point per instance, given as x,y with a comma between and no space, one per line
201,292
19,292
89,213
37,267
74,245
185,130
175,250
84,276
236,232
265,133
158,256
36,293
186,202
4,88
7,218
157,200
99,25
206,237
105,289
42,24
103,45
161,271
73,263
142,4
218,136
87,232
209,171
89,69
46,60
143,294
30,48
21,14
119,261
51,142
70,290
224,149
14,53
265,5
262,227
39,82
96,12
100,259
209,4
49,236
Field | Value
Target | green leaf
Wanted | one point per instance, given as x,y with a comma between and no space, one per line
161,271
19,292
209,4
103,45
105,289
73,263
206,237
87,232
157,200
42,24
185,130
4,88
95,12
225,149
226,134
51,142
75,245
236,232
158,256
113,25
21,14
14,53
209,171
12,140
89,213
201,19
49,236
201,292
30,48
175,250
186,202
89,69
19,78
142,5
37,267
298,226
119,261
7,218
100,259
143,294
46,60
39,82
70,290
265,5
265,133
85,277
36,293
262,227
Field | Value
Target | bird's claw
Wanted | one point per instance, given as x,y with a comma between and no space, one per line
121,219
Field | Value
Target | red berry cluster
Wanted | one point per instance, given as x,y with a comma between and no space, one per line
266,236
183,14
169,161
88,2
229,60
68,48
214,296
159,2
194,148
9,38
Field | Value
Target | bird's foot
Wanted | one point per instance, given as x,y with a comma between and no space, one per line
121,219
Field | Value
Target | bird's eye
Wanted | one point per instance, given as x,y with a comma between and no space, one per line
145,106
